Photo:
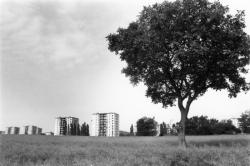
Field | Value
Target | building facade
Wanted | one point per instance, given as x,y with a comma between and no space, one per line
12,130
105,124
30,130
95,123
63,125
24,130
39,131
60,126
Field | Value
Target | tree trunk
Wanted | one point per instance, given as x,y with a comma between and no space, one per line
182,139
184,113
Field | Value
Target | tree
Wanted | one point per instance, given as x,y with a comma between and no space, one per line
181,49
84,131
204,126
87,130
124,134
74,129
131,130
65,128
225,127
213,125
146,127
163,129
192,125
174,129
78,130
244,122
71,128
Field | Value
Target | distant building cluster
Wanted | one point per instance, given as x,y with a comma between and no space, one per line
105,124
25,130
12,130
30,130
102,124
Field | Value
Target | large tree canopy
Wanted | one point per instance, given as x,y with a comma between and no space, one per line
244,122
181,49
146,127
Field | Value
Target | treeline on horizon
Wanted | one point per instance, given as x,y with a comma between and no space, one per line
202,125
196,125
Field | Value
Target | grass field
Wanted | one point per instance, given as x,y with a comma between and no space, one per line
124,151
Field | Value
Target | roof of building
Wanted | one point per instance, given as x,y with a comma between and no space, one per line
66,117
105,113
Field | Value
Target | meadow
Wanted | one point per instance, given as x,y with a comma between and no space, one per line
225,150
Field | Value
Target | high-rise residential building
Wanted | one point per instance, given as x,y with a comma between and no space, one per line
105,124
12,130
63,125
60,126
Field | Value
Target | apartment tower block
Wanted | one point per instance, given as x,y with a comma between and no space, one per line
105,124
12,130
63,125
30,130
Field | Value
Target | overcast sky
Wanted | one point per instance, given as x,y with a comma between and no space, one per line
55,62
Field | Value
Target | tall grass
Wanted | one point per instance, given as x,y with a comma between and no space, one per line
124,151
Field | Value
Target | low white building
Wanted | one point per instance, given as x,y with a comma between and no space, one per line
48,133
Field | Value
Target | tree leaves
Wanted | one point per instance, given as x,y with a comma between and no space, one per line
180,49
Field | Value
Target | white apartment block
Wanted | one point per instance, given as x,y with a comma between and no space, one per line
24,130
62,125
39,131
95,122
30,130
12,130
105,124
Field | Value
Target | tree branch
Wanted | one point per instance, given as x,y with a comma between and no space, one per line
180,104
